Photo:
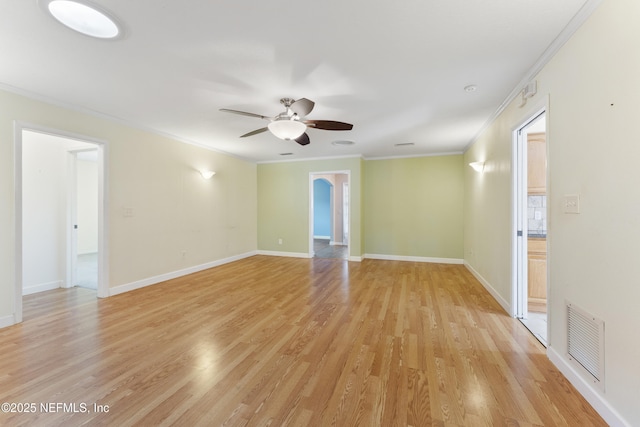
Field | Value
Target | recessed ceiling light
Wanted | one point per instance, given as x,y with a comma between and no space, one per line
343,143
470,88
83,17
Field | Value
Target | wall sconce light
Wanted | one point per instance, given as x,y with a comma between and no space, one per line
207,174
477,166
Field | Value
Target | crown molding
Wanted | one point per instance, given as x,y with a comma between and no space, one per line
114,119
567,32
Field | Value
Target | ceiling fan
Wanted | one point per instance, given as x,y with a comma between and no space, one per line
290,124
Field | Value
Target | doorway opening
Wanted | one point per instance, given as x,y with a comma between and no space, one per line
329,214
60,212
530,233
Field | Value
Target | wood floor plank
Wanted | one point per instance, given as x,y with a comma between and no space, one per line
284,341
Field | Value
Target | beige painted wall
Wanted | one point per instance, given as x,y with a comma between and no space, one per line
593,148
44,216
283,203
413,207
174,209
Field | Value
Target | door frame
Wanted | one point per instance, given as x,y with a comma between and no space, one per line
519,230
102,147
312,177
346,212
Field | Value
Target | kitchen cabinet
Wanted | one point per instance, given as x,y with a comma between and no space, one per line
537,163
537,275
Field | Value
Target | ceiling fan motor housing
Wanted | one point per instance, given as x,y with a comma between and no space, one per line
287,102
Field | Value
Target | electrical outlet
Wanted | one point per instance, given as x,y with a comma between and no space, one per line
279,241
183,253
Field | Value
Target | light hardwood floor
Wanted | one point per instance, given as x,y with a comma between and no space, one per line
286,341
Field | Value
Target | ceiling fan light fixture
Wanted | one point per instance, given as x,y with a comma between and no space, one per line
290,125
287,129
83,17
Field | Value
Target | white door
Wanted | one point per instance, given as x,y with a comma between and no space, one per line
84,218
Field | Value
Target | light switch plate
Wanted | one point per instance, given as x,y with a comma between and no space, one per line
571,203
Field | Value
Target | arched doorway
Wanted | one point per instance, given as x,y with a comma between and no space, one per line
329,215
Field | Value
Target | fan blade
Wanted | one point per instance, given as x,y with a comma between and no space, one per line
303,139
302,107
255,132
328,124
244,113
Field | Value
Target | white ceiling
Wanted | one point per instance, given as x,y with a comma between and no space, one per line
395,70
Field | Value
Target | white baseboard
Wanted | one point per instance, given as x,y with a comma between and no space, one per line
414,259
355,258
285,254
505,305
34,289
591,394
175,274
333,243
322,237
7,321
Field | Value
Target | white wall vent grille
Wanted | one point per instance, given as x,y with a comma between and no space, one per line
585,343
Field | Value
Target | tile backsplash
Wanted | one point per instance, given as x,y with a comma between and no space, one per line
537,214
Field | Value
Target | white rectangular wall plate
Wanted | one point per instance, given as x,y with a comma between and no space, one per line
571,204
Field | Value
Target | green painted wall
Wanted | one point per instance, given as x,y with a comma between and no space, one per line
283,203
399,207
414,207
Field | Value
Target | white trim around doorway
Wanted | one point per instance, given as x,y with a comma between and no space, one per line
519,245
102,147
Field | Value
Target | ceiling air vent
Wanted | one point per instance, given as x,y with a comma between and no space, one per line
342,142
